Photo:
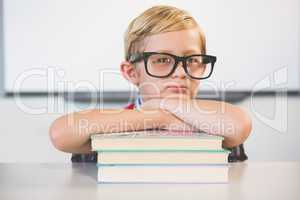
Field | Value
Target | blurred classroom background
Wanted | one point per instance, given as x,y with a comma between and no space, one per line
61,56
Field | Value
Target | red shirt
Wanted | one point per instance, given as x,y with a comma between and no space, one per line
130,106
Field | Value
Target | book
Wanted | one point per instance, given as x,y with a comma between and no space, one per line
160,156
163,157
162,173
156,140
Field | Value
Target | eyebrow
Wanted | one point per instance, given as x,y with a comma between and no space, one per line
186,52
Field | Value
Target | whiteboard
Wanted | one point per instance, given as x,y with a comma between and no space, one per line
75,45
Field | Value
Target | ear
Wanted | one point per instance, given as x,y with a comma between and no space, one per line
130,72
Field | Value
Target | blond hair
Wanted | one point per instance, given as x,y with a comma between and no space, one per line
156,20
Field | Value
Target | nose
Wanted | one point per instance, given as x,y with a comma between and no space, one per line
179,72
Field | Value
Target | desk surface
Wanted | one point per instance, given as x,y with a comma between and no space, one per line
248,180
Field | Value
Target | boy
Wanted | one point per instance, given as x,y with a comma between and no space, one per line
165,57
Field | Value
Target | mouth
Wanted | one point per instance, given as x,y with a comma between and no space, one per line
177,88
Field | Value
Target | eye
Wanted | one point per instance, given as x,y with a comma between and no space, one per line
194,60
162,60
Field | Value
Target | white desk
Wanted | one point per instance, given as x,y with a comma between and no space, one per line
248,180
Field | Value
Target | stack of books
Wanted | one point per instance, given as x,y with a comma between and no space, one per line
160,156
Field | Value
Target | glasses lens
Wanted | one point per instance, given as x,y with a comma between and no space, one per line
199,66
160,64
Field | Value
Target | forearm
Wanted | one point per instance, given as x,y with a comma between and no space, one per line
217,118
71,133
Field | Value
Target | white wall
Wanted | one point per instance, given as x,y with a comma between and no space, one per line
49,44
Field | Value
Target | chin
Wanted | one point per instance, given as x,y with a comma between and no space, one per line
177,95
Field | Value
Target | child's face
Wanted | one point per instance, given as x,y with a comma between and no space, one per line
180,43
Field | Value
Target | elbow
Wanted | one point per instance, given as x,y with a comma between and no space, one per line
241,132
244,128
57,135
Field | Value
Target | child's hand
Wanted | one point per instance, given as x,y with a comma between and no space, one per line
172,105
170,121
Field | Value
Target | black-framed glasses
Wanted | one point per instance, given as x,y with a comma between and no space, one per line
162,65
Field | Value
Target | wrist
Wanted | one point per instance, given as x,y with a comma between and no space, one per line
154,117
165,118
176,107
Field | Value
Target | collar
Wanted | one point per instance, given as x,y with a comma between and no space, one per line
138,102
